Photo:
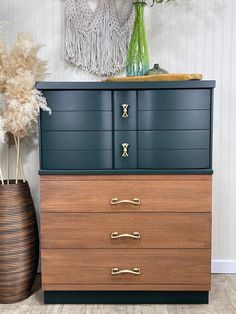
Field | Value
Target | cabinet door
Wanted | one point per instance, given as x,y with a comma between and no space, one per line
78,134
174,129
174,149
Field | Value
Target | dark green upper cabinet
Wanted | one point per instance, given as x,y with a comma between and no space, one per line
78,133
115,127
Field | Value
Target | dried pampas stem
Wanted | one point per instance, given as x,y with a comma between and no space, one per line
2,139
1,176
16,152
17,158
20,162
22,170
8,170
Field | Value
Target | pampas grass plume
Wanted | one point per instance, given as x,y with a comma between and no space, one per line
3,64
20,68
24,102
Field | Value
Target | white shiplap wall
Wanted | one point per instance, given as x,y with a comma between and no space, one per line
189,36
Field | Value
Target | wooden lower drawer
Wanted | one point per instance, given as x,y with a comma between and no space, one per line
156,193
156,230
157,267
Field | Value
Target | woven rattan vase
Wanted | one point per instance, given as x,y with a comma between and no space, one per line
19,242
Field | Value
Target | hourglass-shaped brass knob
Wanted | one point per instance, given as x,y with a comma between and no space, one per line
125,150
125,113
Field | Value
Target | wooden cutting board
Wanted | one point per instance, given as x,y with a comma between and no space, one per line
153,78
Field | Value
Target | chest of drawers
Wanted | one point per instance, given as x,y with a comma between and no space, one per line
125,175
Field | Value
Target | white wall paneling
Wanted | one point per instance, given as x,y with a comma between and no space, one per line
189,36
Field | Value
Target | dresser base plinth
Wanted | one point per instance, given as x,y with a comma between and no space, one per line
126,297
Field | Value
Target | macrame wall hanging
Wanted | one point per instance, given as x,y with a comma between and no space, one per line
98,40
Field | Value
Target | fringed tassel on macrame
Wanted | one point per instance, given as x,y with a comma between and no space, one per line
101,50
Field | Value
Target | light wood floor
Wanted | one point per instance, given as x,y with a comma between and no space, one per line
222,301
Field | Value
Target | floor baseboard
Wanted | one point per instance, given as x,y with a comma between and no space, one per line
223,266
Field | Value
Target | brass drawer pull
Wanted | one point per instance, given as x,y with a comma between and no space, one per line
134,201
135,235
134,271
125,150
125,113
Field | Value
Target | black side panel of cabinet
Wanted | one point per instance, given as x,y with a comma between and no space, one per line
174,120
128,98
174,99
77,140
173,159
129,137
61,100
174,139
77,121
72,160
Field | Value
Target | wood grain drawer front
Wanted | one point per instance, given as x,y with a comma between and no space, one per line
126,230
173,193
173,266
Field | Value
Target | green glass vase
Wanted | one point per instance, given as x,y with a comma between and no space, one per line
138,57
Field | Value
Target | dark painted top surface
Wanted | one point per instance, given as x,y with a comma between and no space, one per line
123,85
